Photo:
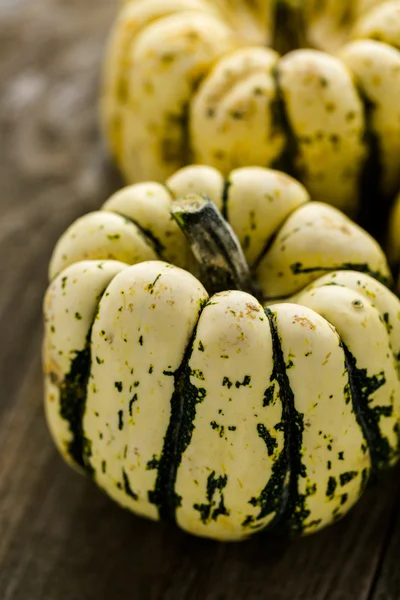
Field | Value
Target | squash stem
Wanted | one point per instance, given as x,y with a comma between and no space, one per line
289,26
213,243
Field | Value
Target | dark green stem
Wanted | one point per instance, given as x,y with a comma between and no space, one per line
289,26
213,243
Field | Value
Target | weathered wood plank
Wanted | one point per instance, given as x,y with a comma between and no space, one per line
60,537
387,580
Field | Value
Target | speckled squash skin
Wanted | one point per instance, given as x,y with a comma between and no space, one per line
287,240
199,81
230,414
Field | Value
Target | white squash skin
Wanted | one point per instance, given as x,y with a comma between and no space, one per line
385,301
149,205
148,312
70,306
376,68
158,316
328,22
134,17
258,202
148,132
231,119
232,367
195,179
103,236
316,238
326,116
155,132
332,441
332,21
382,23
250,21
144,310
382,299
365,334
365,6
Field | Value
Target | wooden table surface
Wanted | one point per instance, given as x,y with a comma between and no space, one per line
60,537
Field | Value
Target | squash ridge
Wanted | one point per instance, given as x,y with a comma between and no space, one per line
73,392
361,387
283,482
177,436
150,237
73,396
297,268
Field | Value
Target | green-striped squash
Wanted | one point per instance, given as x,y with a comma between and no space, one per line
287,240
211,403
204,81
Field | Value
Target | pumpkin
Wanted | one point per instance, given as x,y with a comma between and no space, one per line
204,81
212,403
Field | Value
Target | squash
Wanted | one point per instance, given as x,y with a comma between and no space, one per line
201,81
287,240
210,402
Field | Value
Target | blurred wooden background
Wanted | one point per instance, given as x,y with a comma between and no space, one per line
60,538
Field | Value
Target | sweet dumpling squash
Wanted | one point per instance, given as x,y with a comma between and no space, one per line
205,400
205,81
287,240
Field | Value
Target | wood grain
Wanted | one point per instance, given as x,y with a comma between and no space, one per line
60,537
